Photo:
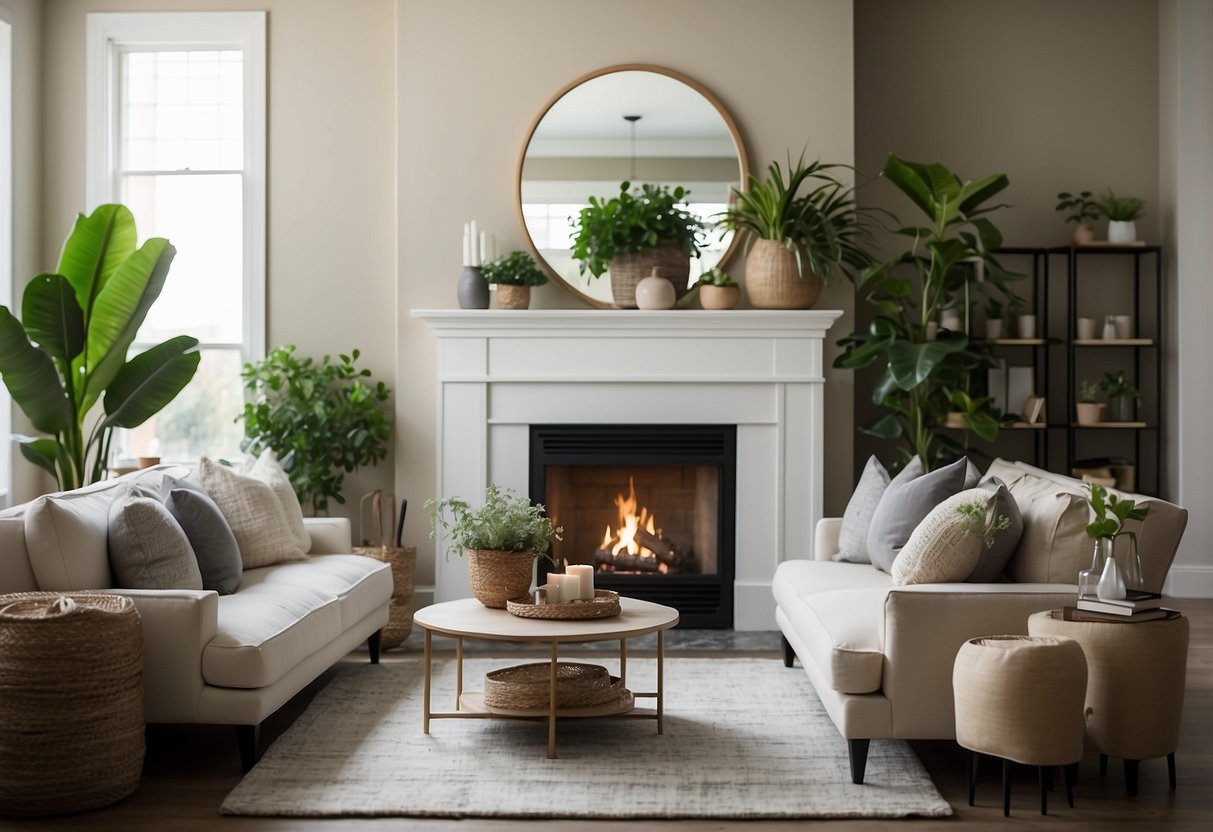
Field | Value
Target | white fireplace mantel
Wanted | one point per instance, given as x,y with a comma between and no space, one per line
501,371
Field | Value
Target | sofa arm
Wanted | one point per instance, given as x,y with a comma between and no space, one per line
330,535
825,541
177,624
924,627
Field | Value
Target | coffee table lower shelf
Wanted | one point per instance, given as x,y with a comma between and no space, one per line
471,704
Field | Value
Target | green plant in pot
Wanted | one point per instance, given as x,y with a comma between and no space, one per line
1088,408
801,227
1122,396
937,271
1122,213
717,290
631,234
501,541
1084,210
1109,515
323,419
514,275
994,309
68,353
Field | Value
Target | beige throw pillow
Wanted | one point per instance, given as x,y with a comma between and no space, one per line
946,546
269,471
254,513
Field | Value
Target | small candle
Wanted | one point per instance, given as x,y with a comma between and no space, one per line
584,575
475,236
484,247
555,588
467,247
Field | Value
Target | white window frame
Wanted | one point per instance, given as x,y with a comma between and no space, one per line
109,32
7,257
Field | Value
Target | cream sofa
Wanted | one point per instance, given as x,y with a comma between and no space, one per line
880,656
231,659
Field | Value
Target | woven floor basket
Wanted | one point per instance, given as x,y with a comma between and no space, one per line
772,280
71,701
496,576
629,269
403,560
528,686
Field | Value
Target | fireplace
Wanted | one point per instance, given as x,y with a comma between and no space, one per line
651,507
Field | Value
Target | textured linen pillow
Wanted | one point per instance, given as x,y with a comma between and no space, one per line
853,536
65,535
254,515
905,503
994,559
147,549
210,536
944,547
269,471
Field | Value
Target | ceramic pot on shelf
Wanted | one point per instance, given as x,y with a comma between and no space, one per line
1122,232
993,329
773,281
719,297
472,289
655,292
1088,413
1084,234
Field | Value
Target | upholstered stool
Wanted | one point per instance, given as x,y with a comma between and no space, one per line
1020,698
1135,693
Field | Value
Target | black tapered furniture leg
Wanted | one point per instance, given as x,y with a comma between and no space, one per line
1043,777
789,655
247,740
1103,765
1070,775
372,645
1048,773
1006,788
859,758
971,767
1171,769
1131,769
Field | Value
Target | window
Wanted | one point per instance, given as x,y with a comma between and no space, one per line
6,233
176,123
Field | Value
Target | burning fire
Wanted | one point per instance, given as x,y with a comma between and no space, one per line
623,538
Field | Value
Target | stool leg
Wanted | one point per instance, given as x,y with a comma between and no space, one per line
1171,769
1042,776
971,765
1006,788
1131,769
1103,764
1070,774
1048,772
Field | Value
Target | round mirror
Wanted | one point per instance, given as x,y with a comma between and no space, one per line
636,123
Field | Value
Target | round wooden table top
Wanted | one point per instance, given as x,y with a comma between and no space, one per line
468,618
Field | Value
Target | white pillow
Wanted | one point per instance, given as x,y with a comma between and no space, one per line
853,536
254,513
269,471
946,546
66,537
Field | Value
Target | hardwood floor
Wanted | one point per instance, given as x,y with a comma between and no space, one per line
189,770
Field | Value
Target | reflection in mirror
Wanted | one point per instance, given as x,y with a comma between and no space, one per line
640,124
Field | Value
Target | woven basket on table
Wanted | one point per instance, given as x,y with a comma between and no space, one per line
627,270
498,576
403,560
71,701
773,281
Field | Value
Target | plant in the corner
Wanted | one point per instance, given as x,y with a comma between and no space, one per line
937,271
1109,514
717,290
1085,210
630,234
801,227
1088,407
1122,395
514,274
978,521
1122,213
501,540
322,419
69,350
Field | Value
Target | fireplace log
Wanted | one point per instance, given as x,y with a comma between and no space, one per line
659,546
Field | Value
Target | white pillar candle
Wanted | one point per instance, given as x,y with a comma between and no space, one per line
475,237
584,575
493,247
467,248
484,247
556,588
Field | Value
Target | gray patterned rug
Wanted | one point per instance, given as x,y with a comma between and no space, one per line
744,738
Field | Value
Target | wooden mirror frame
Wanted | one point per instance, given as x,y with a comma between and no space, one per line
734,133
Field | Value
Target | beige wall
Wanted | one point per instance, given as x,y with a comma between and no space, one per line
331,196
472,76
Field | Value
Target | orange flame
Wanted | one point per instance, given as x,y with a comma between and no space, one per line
624,537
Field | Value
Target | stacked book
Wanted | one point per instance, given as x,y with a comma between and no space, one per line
1135,606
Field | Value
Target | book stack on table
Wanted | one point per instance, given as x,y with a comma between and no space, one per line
1135,606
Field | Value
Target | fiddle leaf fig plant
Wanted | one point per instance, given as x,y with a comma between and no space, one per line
636,220
68,353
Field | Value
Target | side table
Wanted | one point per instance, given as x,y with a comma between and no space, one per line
1135,686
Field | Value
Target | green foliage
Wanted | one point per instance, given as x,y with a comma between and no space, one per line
1084,206
322,419
1088,392
1111,513
506,522
1122,208
937,271
515,269
980,416
69,351
1117,384
636,220
978,521
822,225
716,277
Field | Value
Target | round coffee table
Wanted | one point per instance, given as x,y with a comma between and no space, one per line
468,618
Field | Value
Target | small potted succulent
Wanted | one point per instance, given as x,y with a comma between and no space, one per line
1085,210
634,232
514,275
1122,213
994,323
501,540
1088,409
1122,395
717,290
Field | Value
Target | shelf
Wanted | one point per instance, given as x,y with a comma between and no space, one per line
1024,426
1113,342
1019,342
1104,244
472,702
1114,425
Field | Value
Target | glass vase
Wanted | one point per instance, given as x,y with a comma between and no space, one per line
1129,563
1103,551
1111,584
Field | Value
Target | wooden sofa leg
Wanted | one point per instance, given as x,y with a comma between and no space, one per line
789,655
859,759
247,740
372,645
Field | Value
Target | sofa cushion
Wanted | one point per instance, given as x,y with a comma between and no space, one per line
994,559
946,545
66,537
360,584
270,471
210,536
905,503
857,519
254,514
147,548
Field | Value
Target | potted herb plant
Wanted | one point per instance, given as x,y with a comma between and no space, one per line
514,274
796,240
1122,395
1088,409
1122,213
717,290
501,540
1086,210
634,232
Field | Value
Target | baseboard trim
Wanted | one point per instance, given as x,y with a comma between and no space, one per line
1189,582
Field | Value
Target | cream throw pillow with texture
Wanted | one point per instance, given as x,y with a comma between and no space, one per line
944,547
269,470
254,513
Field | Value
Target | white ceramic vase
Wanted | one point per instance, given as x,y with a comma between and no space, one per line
1111,584
1122,231
655,293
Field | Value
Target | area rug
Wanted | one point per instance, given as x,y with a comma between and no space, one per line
744,738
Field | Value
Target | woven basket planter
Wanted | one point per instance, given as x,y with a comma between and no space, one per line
498,576
403,560
527,686
71,701
772,280
627,270
513,297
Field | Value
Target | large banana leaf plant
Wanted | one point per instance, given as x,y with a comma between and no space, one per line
949,263
69,350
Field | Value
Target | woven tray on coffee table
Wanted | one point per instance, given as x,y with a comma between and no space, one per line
604,605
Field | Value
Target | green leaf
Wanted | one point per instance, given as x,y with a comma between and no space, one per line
883,427
910,182
53,318
973,194
149,381
97,245
911,364
29,373
40,450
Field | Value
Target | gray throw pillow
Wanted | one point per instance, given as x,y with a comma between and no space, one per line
853,535
994,560
147,549
906,502
210,536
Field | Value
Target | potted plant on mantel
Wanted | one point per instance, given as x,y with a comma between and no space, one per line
634,232
501,540
514,275
717,290
796,241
